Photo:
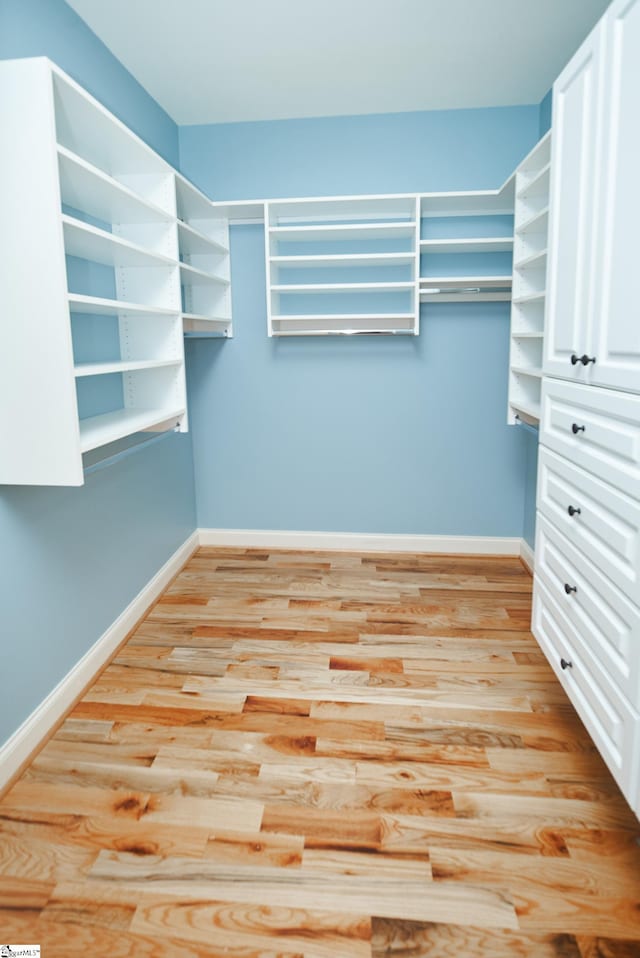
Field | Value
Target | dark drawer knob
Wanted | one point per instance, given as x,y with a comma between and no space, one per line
584,359
565,665
574,511
575,428
570,588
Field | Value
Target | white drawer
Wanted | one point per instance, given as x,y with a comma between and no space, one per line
601,522
608,717
595,428
607,623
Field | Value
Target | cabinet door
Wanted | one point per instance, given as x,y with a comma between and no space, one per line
615,336
576,96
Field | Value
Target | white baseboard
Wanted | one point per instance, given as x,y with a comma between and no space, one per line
527,555
17,750
361,542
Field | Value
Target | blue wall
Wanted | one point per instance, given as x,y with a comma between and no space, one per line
72,559
361,435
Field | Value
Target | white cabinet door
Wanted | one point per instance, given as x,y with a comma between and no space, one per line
576,107
615,335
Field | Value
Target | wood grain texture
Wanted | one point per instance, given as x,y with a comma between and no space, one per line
309,755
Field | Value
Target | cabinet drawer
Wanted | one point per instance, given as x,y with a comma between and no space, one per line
604,524
595,428
606,621
608,717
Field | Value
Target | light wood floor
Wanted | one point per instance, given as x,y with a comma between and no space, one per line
327,756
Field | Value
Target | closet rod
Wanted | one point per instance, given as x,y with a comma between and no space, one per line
124,453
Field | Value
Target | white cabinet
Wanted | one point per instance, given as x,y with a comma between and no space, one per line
97,274
592,333
587,569
615,330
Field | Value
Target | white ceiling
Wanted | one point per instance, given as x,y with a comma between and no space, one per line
212,61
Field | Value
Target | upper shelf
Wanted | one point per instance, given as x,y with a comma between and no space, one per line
345,259
85,187
89,242
192,241
481,244
344,231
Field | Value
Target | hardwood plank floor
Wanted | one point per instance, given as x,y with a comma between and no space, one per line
324,755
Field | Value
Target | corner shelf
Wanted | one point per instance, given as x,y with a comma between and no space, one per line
97,322
529,284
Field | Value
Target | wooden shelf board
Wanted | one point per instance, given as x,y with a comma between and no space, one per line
191,276
530,298
531,261
484,296
344,231
346,317
121,366
101,430
192,240
87,188
89,242
112,307
535,186
530,410
447,283
536,220
343,287
489,244
345,259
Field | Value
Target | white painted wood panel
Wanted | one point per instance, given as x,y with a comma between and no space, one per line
615,335
576,96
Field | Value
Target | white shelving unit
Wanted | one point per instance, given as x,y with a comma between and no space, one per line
466,245
105,252
342,265
529,283
205,271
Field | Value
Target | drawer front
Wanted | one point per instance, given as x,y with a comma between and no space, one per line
594,428
603,523
608,717
606,621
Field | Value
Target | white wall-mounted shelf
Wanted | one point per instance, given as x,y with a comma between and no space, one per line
482,244
529,283
91,268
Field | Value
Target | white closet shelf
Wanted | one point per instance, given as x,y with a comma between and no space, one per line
538,184
345,259
530,371
101,430
365,331
476,203
537,223
87,188
121,366
343,288
527,335
530,411
99,306
448,283
196,324
99,246
344,231
489,244
535,261
336,317
530,298
194,241
465,296
192,203
191,276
